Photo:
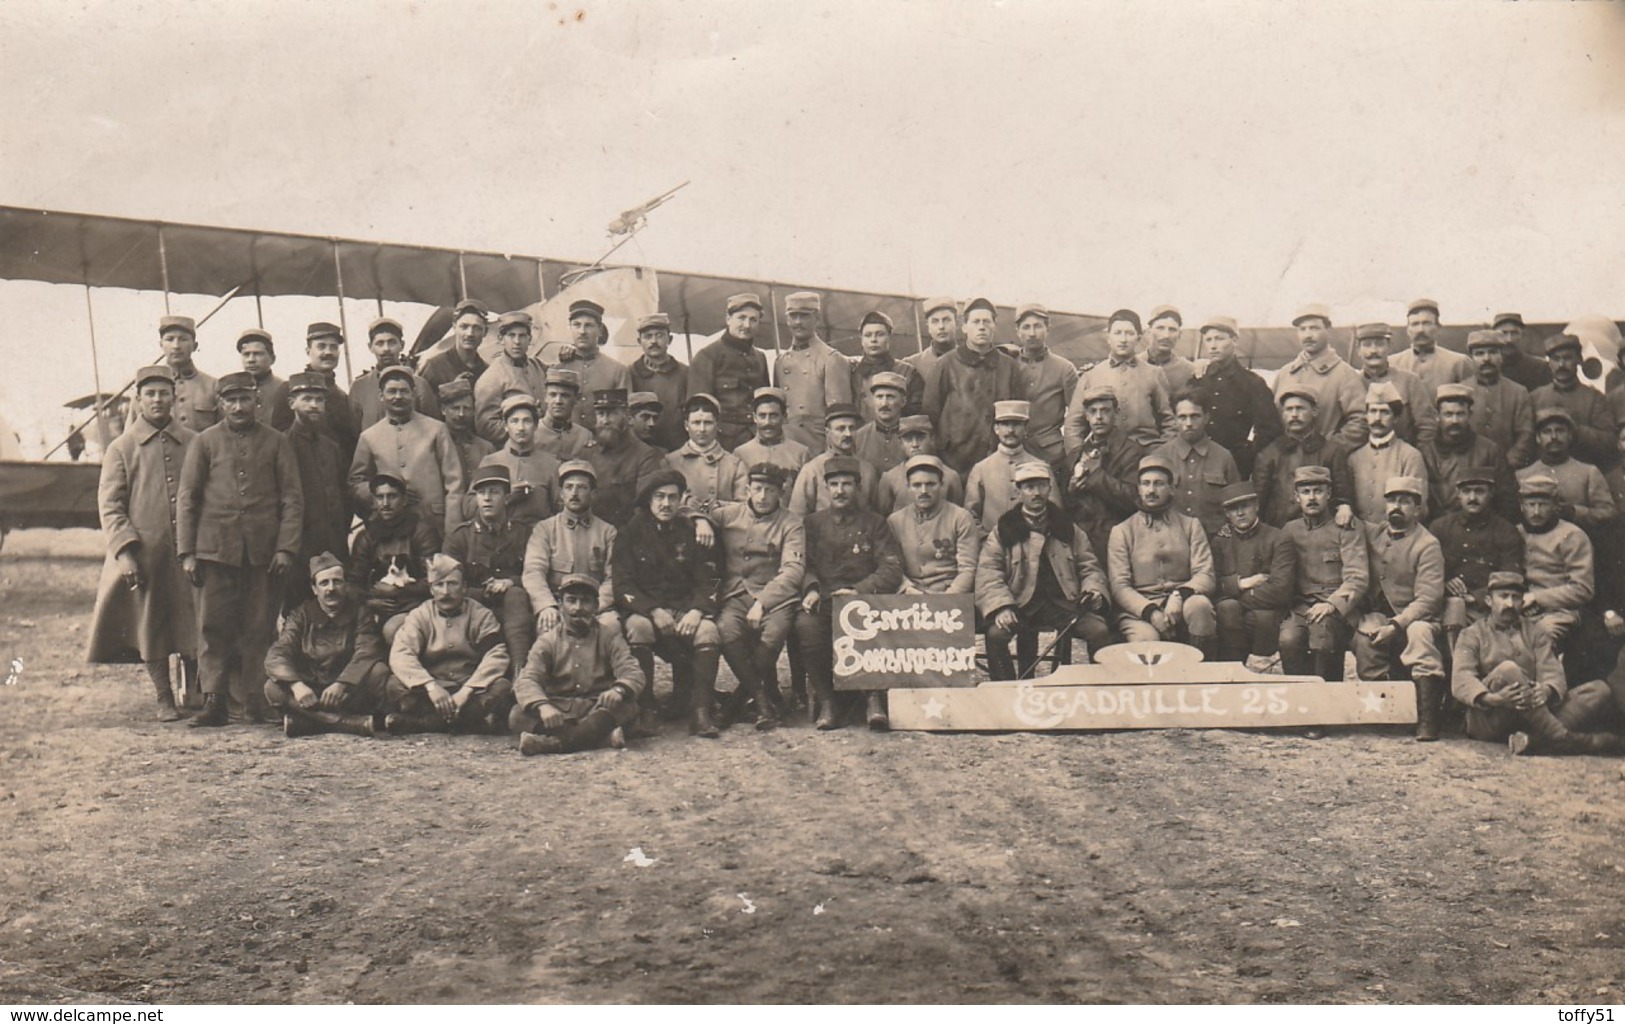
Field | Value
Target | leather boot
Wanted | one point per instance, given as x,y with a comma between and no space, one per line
1429,693
1329,665
533,743
1209,646
999,665
351,725
767,690
876,712
401,724
213,714
158,674
682,688
1548,735
824,696
703,695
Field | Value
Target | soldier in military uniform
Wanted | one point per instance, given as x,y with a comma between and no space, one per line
324,344
1335,387
413,447
385,340
581,684
1036,572
1301,444
195,396
491,546
1588,408
1476,542
585,355
713,473
1583,496
514,370
1416,420
144,603
1559,561
850,550
1048,381
1334,570
1434,365
457,406
1144,410
258,354
1203,467
874,337
770,443
449,666
328,667
990,489
558,433
764,549
1256,570
892,493
879,442
941,316
623,465
1162,329
470,321
811,375
1384,455
574,542
1160,567
1405,602
390,554
1519,365
532,472
647,410
663,375
1457,448
1102,476
731,369
1502,411
1242,415
321,476
938,540
963,386
811,493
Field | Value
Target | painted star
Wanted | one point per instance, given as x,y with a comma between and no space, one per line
1372,701
934,708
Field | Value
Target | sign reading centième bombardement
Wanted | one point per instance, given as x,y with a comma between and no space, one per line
888,640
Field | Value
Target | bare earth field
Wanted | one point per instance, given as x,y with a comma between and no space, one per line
148,862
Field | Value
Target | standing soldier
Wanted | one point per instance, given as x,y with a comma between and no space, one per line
462,357
258,354
1476,542
1583,496
532,472
939,541
1202,466
941,317
731,369
1036,572
850,550
1425,358
514,370
1385,454
892,492
558,433
457,406
195,396
879,442
622,465
575,542
646,412
962,387
1160,567
990,490
491,546
1241,413
1501,409
321,477
666,587
448,663
1162,329
812,489
713,474
585,355
874,335
660,373
765,549
770,444
1456,448
1256,569
1594,427
1334,569
1102,476
1300,445
1519,365
1048,381
581,685
327,669
417,449
1143,408
386,341
324,343
1337,391
811,374
1407,597
240,510
1417,421
144,603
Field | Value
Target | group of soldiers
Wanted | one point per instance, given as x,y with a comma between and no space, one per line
532,537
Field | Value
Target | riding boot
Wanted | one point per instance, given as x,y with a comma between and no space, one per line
400,723
1329,665
1548,735
876,712
645,657
213,713
299,722
765,665
683,672
1429,693
800,696
702,690
158,673
823,694
999,665
1209,646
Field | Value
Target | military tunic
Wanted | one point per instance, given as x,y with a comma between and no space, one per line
1434,367
1144,408
990,490
926,358
450,363
813,379
1408,590
729,370
421,452
565,444
960,391
367,405
1559,563
939,549
863,371
713,476
1152,555
1502,413
811,494
472,450
880,447
1418,419
764,560
623,471
1372,464
271,401
600,373
1333,564
196,403
571,672
1276,464
1250,618
327,498
1340,391
1580,486
1202,471
1050,382
1595,432
319,649
404,544
892,492
1241,413
788,455
670,385
1474,548
1108,490
535,484
462,649
1178,370
501,377
1446,463
564,545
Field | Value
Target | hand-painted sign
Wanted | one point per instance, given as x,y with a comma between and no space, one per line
888,640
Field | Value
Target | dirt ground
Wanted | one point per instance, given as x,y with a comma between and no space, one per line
149,862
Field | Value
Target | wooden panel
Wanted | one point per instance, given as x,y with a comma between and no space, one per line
886,640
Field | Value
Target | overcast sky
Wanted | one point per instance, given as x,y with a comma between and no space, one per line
1223,156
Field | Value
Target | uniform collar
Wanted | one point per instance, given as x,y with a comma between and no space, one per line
711,455
145,430
970,358
1183,448
572,522
1115,363
1322,364
1385,443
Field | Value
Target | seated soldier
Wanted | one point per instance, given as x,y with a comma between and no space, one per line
388,555
448,663
809,493
990,489
1476,542
1036,572
892,492
574,542
1161,568
712,473
1333,571
491,547
1558,558
327,669
581,684
765,551
1256,569
939,542
1384,455
1102,476
666,586
850,550
1406,600
1506,673
1583,496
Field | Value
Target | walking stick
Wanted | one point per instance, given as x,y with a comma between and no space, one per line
1065,633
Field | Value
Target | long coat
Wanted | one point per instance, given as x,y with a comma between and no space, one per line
140,483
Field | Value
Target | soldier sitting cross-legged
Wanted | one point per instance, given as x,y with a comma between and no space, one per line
448,662
580,686
327,669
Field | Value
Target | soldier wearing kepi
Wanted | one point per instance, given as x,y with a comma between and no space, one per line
532,472
1242,415
1102,476
386,341
258,353
240,510
1036,572
963,387
585,355
321,476
874,337
1160,567
661,374
1594,427
1425,358
324,344
1300,444
623,465
1337,390
1405,602
941,316
1334,569
573,543
1203,467
892,492
1162,330
491,546
1384,455
666,586
1457,448
765,550
327,669
1583,496
1144,411
991,489
1476,542
1501,409
1417,420
938,540
448,663
712,473
457,405
462,357
731,369
811,374
581,684
412,447
514,370
880,442
770,443
558,433
647,410
1256,569
144,603
195,391
811,492
850,550
1048,380
1518,364
1512,683
1559,561
390,555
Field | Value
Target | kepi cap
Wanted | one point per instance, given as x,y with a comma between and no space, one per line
518,318
1553,412
981,303
645,399
919,423
158,372
574,466
609,398
1485,339
887,379
579,581
1404,485
455,389
840,410
1538,485
386,323
1453,393
1305,475
1158,312
931,305
1100,393
1238,492
323,329
1157,461
254,334
323,562
474,306
875,316
560,377
1558,342
1220,323
743,300
929,462
307,381
1477,475
701,400
1033,470
586,307
768,473
1028,309
1298,391
1312,309
185,323
394,370
491,473
1416,305
519,400
769,394
1507,581
843,465
803,302
652,321
1382,392
238,381
1013,410
1372,332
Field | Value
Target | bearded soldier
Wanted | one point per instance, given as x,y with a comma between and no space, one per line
581,685
328,667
